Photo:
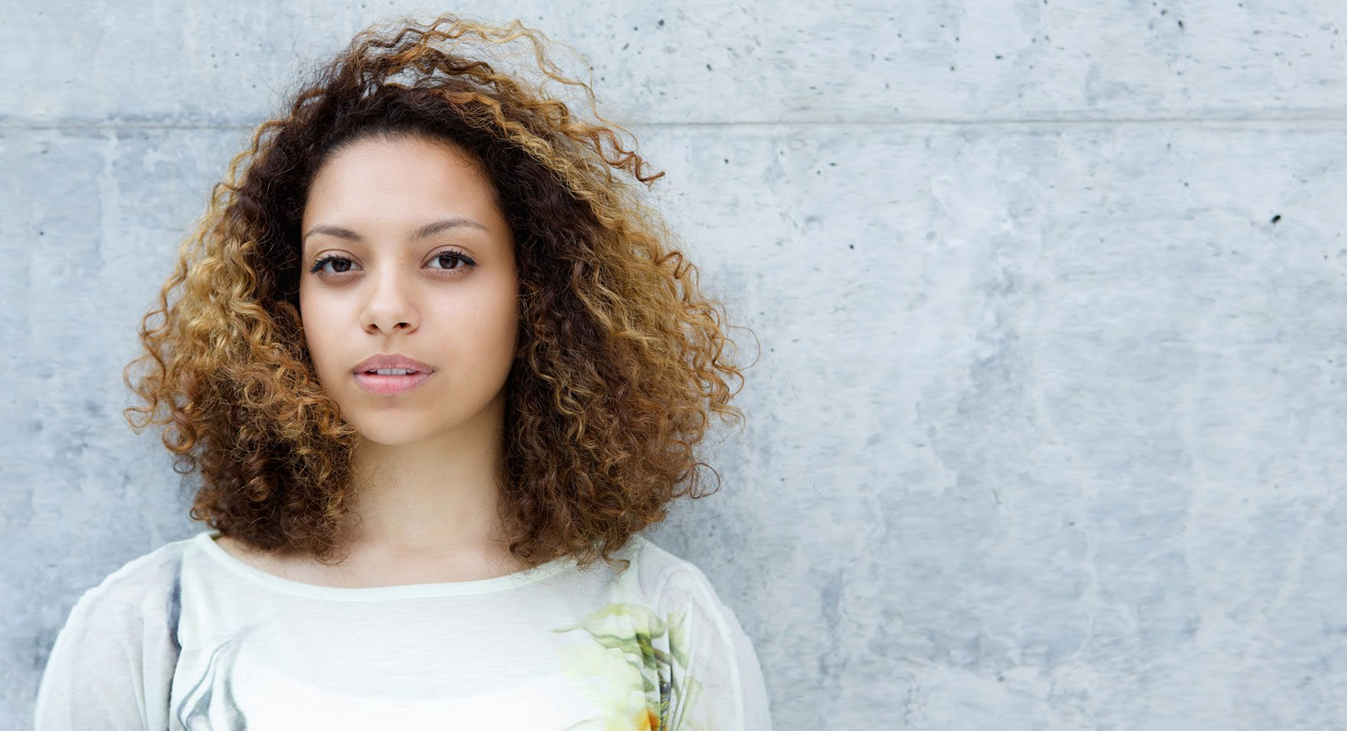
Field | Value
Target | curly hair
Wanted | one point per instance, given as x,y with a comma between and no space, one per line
623,358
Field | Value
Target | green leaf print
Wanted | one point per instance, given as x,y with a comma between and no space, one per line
632,666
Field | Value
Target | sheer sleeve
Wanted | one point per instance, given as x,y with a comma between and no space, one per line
716,680
105,670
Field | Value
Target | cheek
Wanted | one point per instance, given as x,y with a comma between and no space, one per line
503,316
491,314
316,331
480,333
318,352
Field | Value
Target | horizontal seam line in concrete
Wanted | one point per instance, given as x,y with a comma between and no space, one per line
925,121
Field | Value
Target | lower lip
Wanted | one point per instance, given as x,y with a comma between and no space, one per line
389,385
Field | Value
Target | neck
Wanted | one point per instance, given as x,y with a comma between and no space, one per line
435,497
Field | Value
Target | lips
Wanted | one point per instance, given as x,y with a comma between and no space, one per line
389,385
393,360
386,385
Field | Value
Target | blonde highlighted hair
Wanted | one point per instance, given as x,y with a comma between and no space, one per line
623,357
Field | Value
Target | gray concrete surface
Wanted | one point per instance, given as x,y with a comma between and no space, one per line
1046,432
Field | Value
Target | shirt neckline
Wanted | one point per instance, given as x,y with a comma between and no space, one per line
206,541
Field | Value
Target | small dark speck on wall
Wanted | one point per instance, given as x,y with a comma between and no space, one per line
708,67
661,23
1277,218
43,642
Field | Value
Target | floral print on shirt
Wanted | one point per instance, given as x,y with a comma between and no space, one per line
636,668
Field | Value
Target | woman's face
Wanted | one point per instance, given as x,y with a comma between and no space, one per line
405,252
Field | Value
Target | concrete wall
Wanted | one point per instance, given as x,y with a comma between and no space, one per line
1046,431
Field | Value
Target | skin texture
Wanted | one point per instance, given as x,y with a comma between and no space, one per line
428,463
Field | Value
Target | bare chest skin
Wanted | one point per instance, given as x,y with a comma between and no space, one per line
377,568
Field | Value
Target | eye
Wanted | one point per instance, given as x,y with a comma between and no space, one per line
341,265
449,258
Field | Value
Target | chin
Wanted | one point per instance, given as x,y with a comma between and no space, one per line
391,428
393,436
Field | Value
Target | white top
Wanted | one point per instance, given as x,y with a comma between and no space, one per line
190,637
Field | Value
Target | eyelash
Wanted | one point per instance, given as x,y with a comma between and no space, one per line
457,255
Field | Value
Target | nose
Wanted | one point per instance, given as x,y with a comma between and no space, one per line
391,304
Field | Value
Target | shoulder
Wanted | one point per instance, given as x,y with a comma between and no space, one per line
133,611
146,586
145,575
667,578
673,588
680,592
112,661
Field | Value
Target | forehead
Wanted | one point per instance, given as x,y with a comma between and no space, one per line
402,182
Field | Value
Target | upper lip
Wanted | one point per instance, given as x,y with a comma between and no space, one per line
393,360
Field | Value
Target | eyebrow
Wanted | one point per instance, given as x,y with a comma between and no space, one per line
425,231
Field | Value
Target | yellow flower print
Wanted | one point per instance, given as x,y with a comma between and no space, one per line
633,667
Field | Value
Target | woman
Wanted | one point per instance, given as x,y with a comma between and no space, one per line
436,366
